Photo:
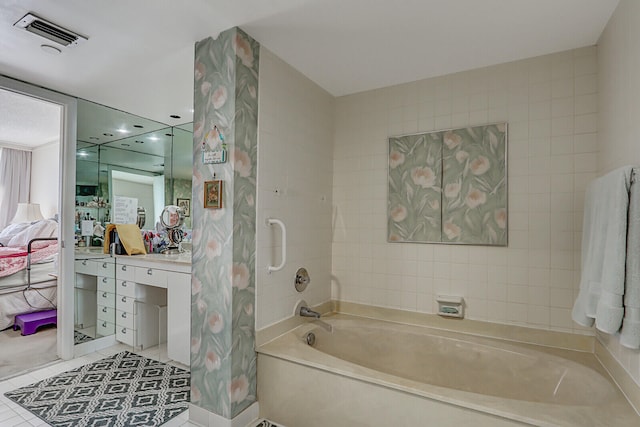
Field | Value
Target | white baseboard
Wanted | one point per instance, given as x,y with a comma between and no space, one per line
205,418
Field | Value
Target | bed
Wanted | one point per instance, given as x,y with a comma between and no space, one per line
28,269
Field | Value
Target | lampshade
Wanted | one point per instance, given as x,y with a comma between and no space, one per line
27,212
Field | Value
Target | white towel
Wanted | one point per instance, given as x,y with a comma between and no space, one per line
630,334
604,232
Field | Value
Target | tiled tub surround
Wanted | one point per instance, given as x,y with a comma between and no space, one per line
550,105
411,371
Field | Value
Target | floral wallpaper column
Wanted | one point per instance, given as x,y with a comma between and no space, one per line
223,360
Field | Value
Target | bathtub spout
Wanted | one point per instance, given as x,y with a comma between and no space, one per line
307,312
325,325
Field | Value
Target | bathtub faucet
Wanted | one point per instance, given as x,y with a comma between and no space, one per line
303,310
307,312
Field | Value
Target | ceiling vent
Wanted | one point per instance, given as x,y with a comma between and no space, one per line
49,30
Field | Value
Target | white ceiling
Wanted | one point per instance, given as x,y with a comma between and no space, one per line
19,112
139,56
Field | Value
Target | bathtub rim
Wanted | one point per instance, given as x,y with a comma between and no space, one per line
287,348
513,333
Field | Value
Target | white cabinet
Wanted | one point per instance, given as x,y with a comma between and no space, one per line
179,317
106,296
141,302
95,295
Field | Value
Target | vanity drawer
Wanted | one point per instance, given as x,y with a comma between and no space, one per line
105,328
107,299
125,335
86,266
126,288
124,303
125,272
151,276
106,313
105,268
106,284
125,319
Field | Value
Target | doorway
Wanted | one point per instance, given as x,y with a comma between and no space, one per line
52,179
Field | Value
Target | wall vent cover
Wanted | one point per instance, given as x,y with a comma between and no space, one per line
49,30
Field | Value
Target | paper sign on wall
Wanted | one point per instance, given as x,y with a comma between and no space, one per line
125,210
214,157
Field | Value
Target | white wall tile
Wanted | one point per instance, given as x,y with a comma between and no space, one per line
521,284
618,103
295,157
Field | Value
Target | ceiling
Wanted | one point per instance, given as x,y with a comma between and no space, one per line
139,54
19,112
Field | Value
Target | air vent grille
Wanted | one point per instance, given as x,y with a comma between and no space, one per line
49,30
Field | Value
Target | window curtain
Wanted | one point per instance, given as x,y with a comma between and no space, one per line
15,181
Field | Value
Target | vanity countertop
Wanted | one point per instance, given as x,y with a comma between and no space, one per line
178,262
181,259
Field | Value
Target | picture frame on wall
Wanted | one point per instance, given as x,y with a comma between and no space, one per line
213,194
185,204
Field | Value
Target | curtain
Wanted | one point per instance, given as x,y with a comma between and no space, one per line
15,180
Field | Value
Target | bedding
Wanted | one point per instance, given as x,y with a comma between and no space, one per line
12,260
15,296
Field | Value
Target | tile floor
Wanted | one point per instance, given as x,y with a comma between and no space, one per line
13,415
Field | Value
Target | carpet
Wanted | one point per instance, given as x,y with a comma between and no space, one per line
21,354
123,390
79,337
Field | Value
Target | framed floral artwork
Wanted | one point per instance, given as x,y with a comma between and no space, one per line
449,186
185,204
213,194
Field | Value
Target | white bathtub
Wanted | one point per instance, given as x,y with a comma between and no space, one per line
369,372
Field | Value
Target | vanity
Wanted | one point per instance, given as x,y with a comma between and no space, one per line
143,300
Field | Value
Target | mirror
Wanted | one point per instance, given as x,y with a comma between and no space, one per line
120,154
171,219
449,186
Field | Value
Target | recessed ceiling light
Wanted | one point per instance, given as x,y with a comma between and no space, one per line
94,137
153,138
139,142
174,116
50,49
125,145
83,154
138,126
122,130
169,134
107,134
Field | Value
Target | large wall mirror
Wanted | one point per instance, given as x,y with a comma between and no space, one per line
449,186
120,154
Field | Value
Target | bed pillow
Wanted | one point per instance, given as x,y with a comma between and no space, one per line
44,228
11,230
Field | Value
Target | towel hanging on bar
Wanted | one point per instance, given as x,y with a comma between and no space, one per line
603,284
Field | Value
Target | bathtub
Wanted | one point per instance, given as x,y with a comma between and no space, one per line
370,372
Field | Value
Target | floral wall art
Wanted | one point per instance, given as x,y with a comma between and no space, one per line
449,186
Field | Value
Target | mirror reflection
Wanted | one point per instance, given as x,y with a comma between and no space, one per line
120,154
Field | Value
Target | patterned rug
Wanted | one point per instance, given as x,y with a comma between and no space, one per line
265,423
122,390
79,337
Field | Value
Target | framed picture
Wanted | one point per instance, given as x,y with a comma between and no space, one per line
213,194
185,204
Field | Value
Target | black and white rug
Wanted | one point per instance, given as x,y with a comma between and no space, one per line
79,337
122,390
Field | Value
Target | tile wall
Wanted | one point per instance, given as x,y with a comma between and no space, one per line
619,120
295,146
550,105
